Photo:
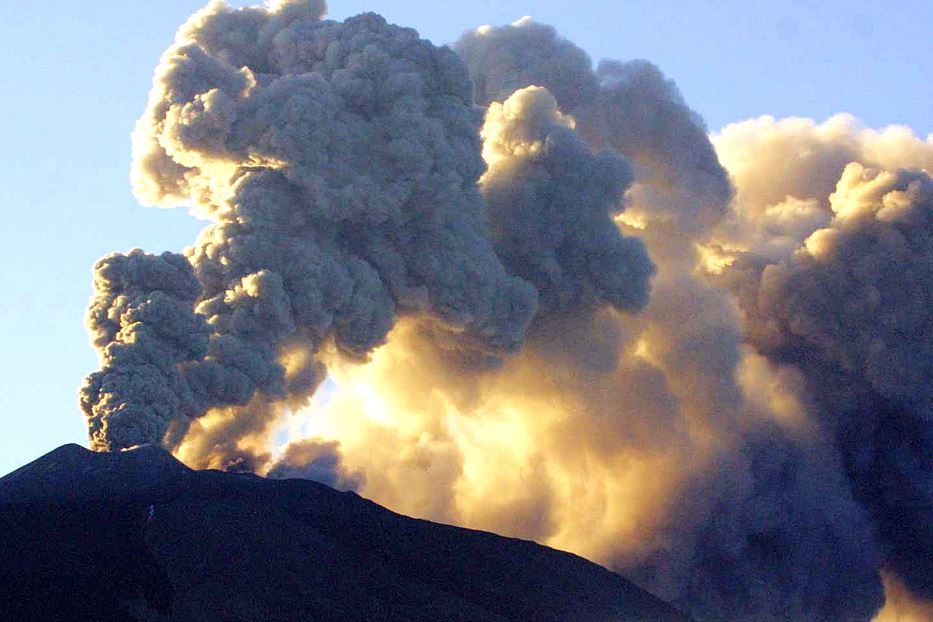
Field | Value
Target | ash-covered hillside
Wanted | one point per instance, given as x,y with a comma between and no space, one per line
136,535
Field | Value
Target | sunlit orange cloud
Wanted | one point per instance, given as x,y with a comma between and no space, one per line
900,605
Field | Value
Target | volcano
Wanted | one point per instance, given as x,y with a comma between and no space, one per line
136,535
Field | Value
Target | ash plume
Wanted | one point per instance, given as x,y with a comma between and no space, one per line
551,202
785,171
825,254
316,461
849,309
657,443
142,321
339,164
549,304
629,107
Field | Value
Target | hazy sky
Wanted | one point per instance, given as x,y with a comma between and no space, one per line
77,76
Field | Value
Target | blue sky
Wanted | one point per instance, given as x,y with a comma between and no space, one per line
77,76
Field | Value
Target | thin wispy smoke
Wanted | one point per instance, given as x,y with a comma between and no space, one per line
549,303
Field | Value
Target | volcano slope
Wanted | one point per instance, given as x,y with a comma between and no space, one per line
136,535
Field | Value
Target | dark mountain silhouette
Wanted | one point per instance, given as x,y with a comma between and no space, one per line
138,536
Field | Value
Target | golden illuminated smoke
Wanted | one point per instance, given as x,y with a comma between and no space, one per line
656,443
827,250
624,439
580,454
785,170
230,439
900,605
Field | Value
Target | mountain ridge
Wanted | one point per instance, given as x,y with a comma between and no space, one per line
136,535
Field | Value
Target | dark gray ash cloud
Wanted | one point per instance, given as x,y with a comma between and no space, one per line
629,107
851,310
339,163
551,202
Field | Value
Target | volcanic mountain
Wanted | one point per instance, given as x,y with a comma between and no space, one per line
136,535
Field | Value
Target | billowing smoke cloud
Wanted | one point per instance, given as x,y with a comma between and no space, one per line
141,319
739,423
850,308
319,462
589,440
339,162
550,201
628,107
827,249
657,443
785,171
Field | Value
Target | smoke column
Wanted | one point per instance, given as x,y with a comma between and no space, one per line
840,291
338,163
550,305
